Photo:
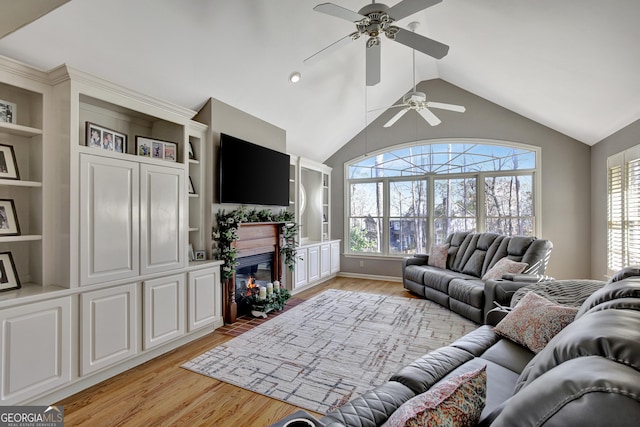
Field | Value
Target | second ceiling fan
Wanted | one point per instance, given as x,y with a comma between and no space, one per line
418,100
375,19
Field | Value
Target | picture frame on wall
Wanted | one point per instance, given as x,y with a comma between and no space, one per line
156,148
9,225
8,164
98,136
8,111
8,275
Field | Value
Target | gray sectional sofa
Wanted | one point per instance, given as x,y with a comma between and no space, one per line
460,287
587,375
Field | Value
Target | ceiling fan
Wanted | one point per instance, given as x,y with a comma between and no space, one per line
375,19
418,100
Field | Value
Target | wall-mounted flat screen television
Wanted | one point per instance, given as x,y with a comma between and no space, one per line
251,174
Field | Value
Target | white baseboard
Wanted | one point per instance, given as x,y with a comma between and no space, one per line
370,277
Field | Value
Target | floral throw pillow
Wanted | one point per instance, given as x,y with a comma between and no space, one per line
458,401
534,321
438,256
504,266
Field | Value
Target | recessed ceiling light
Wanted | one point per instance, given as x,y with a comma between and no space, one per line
295,77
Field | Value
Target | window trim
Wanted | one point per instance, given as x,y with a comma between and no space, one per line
481,218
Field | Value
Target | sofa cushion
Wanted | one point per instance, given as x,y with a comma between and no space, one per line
534,321
458,401
469,291
509,355
612,334
628,288
473,260
439,279
477,341
438,256
625,273
502,267
587,391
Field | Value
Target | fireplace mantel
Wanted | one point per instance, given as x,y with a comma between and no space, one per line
254,238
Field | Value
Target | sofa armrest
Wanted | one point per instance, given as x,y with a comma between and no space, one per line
501,291
495,315
418,259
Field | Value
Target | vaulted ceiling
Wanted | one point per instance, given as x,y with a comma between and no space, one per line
571,65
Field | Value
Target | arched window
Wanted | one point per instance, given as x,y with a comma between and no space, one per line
405,198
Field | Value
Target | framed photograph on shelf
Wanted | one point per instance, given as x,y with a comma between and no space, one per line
105,138
8,164
192,256
192,190
200,255
192,155
156,148
170,151
8,111
8,219
8,275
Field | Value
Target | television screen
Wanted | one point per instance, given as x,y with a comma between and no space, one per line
252,174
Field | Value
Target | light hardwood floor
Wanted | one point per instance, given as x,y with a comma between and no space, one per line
161,393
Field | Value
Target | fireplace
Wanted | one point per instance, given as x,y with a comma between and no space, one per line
252,270
258,254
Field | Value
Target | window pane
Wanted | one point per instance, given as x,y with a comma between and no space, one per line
407,236
455,197
365,234
445,226
366,199
408,198
509,196
511,226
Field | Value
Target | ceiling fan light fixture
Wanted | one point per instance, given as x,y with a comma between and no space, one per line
295,77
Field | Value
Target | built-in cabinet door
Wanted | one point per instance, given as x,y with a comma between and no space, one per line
204,296
162,220
109,219
313,252
36,349
301,268
325,260
163,309
108,327
335,257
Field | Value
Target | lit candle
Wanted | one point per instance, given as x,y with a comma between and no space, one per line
269,288
263,292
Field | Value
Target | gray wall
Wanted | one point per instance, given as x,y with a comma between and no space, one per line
565,169
619,141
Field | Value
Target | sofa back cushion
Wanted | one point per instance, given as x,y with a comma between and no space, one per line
613,334
458,243
473,260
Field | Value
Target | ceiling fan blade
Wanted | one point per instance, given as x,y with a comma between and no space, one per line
373,64
339,12
423,44
396,117
329,49
409,7
450,107
429,117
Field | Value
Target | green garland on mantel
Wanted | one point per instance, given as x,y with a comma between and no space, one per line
225,232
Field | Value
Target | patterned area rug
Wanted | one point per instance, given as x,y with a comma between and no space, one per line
333,347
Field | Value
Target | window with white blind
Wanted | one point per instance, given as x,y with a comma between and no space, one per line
623,209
